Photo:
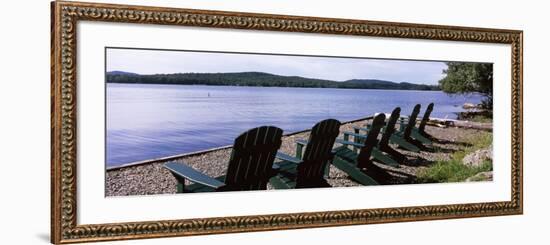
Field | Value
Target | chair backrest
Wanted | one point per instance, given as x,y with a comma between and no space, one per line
318,152
412,121
390,126
371,140
251,162
426,117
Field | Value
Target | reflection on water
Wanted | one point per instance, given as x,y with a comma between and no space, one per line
151,121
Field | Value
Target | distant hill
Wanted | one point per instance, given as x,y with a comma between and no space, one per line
121,73
381,84
370,81
258,79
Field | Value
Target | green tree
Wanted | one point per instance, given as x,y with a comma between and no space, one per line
464,78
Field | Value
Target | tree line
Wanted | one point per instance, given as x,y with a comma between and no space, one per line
259,79
469,77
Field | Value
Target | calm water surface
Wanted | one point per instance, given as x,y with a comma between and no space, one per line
151,121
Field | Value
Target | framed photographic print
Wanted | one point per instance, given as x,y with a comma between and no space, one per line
174,122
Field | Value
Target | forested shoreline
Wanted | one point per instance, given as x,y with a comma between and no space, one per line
259,79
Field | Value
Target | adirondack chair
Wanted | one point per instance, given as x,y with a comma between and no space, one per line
376,152
388,131
357,164
403,137
419,132
307,170
250,165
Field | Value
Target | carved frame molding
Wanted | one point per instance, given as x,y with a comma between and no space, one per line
65,16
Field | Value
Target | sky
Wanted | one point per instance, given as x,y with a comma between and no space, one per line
144,61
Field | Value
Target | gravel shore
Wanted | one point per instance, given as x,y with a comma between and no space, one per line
152,178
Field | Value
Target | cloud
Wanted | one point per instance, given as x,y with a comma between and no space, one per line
331,68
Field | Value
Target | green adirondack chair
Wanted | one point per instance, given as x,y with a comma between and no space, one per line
376,152
403,137
308,170
388,131
355,164
250,165
419,133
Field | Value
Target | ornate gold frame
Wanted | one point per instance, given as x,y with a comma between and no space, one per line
65,15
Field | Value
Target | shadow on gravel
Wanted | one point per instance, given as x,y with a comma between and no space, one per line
401,178
379,174
448,142
417,161
437,149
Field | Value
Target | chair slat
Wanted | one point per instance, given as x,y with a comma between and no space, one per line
252,158
389,131
354,164
317,154
371,141
390,126
426,117
412,121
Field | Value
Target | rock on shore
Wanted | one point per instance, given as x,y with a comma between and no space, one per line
483,176
476,159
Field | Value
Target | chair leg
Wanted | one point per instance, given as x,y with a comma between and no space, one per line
393,153
418,136
354,172
429,136
299,150
417,143
381,157
180,186
404,143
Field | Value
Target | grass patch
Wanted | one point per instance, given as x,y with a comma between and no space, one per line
481,119
480,140
453,170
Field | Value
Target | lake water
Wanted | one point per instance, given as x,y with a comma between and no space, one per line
151,121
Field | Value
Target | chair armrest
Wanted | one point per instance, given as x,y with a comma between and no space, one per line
355,135
301,142
332,155
286,157
368,126
361,128
183,171
343,142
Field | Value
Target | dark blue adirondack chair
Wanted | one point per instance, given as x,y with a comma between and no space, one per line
354,164
403,137
250,165
383,144
420,133
308,170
